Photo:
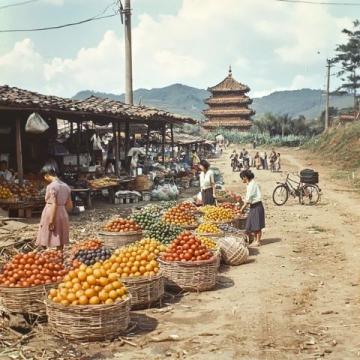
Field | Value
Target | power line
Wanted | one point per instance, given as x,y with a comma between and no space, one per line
17,4
319,3
59,26
93,18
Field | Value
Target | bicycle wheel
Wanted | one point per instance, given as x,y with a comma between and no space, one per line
280,195
310,195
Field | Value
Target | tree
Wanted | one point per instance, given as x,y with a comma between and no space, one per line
348,56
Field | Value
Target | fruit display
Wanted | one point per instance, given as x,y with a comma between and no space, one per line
187,206
138,259
151,244
230,229
145,218
90,285
186,247
208,228
218,214
103,182
235,208
228,196
179,215
5,193
164,232
31,269
90,257
122,225
209,243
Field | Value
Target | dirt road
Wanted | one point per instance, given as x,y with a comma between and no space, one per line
297,298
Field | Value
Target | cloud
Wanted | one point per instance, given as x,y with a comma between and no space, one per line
267,43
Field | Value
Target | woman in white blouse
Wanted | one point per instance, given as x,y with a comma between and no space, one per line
256,218
207,183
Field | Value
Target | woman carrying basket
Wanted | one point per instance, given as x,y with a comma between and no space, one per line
256,218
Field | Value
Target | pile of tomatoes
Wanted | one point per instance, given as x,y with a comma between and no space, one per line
187,247
180,215
31,269
122,225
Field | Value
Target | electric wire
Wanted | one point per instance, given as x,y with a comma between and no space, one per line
17,4
319,3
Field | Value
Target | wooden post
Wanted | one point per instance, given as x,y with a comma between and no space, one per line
78,147
163,143
116,146
19,158
172,141
147,140
127,138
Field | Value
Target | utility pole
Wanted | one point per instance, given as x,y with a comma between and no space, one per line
128,54
328,66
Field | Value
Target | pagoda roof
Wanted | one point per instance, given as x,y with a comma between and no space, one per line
239,123
229,84
228,100
228,112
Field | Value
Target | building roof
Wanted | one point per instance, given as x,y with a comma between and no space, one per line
92,108
219,112
229,84
232,123
234,100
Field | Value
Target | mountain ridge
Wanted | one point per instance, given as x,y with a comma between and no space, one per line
189,101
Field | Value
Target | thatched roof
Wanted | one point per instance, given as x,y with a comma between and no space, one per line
229,84
93,108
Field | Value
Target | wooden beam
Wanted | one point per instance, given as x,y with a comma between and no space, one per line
163,143
19,157
116,147
172,140
78,148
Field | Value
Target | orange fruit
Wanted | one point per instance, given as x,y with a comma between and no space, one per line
82,275
83,300
109,301
89,270
103,295
94,300
79,293
113,276
90,293
103,281
53,292
97,273
121,291
91,279
65,302
113,294
71,297
116,284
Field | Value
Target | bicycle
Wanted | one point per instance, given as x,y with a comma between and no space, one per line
308,194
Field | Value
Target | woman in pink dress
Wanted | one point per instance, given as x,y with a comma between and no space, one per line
54,223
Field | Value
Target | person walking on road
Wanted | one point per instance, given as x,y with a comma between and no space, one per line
255,221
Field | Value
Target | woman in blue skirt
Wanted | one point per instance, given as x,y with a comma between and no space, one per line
256,218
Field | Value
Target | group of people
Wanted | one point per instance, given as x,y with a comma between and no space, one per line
244,160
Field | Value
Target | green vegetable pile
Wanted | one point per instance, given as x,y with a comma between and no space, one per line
163,232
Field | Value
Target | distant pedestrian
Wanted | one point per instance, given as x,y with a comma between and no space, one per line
254,144
266,165
257,161
277,163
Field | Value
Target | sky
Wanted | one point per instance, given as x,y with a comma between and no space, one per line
271,45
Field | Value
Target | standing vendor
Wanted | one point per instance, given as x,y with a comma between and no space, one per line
54,222
5,174
207,183
256,218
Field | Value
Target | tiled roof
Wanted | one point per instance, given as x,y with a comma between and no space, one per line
239,123
228,112
228,100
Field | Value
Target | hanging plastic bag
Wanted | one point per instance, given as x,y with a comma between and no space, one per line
35,124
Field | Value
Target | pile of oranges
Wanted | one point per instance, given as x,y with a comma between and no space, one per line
31,269
139,259
235,208
218,214
209,243
180,215
122,225
89,285
209,228
187,247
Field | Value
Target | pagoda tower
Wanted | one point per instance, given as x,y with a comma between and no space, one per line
228,106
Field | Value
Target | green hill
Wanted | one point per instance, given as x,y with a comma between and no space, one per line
189,101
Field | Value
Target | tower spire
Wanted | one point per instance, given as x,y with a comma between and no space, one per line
230,72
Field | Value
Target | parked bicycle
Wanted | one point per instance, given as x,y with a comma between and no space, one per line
308,193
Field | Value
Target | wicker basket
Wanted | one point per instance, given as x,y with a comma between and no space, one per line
119,239
210,235
144,291
25,300
89,322
189,227
190,276
239,222
233,250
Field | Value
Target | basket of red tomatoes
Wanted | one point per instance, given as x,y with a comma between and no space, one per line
26,278
120,232
188,264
